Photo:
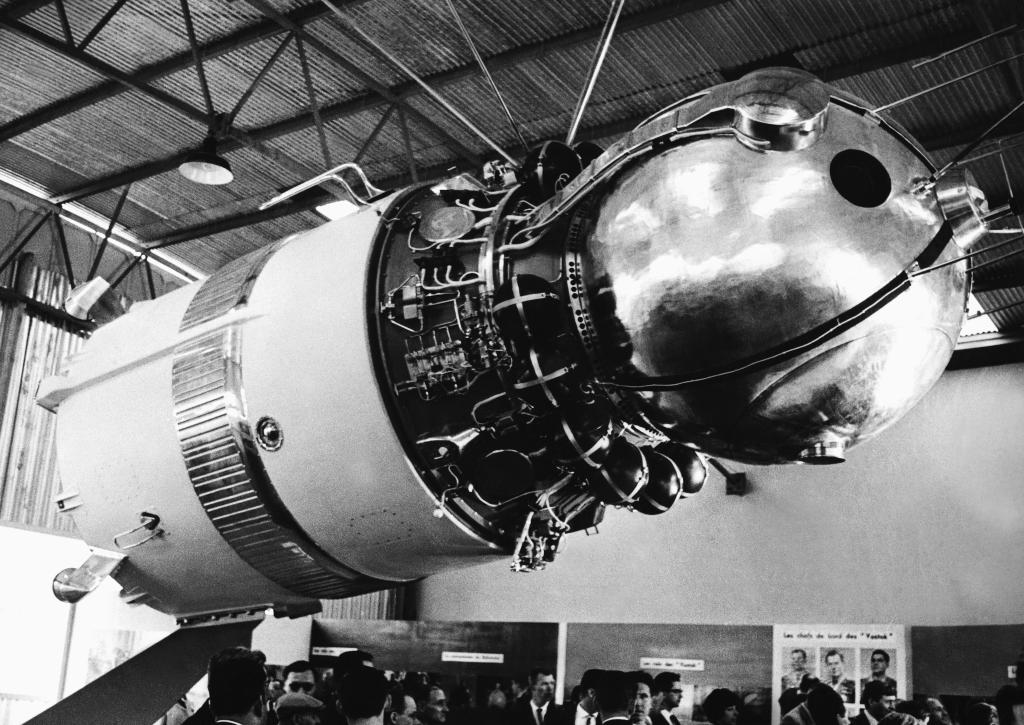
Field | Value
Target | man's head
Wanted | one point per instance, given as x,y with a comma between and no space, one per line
798,660
640,703
722,707
668,687
936,711
614,692
914,708
835,664
879,699
432,705
299,677
364,691
298,708
981,713
542,686
826,706
348,661
236,683
879,662
588,690
401,709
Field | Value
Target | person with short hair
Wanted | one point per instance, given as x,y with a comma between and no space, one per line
914,708
539,708
614,693
401,708
586,712
333,712
935,712
879,664
668,693
364,691
825,706
835,675
797,669
878,700
299,676
640,707
722,707
432,705
981,713
237,681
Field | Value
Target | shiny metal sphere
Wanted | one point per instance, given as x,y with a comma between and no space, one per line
715,251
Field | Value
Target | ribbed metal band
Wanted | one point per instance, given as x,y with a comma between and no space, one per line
227,288
222,459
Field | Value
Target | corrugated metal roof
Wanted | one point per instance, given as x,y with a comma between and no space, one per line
539,54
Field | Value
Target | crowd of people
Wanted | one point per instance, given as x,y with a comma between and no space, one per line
354,692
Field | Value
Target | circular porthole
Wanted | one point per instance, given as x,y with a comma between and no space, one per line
860,178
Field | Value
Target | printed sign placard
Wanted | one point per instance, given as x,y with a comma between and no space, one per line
331,651
844,656
490,658
669,663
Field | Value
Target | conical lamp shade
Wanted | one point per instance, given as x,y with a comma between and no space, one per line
206,166
82,298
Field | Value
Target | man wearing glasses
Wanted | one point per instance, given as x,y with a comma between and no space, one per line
668,692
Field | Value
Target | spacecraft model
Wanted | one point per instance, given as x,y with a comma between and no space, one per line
767,271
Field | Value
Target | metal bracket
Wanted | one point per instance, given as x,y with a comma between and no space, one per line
70,585
149,523
67,501
372,192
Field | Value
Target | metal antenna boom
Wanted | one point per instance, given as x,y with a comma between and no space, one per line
487,75
356,30
595,68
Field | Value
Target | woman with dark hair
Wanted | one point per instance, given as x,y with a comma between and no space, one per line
722,707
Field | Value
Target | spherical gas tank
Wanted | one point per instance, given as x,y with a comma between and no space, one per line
752,278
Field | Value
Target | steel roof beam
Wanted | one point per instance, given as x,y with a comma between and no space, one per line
105,69
25,7
495,62
330,112
240,39
305,203
372,83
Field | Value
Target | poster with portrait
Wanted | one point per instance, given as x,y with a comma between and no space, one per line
845,657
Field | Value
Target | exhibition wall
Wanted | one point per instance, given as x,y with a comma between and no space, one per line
921,526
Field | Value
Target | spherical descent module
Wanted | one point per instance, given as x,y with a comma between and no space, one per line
466,370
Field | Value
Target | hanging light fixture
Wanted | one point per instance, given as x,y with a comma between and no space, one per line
83,298
205,165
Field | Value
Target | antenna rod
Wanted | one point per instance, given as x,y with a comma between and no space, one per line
965,46
977,142
487,75
595,68
355,29
965,76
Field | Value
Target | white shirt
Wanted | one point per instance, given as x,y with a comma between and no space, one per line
543,711
583,717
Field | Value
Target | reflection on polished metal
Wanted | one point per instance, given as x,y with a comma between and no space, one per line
761,272
782,105
70,585
964,205
710,253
